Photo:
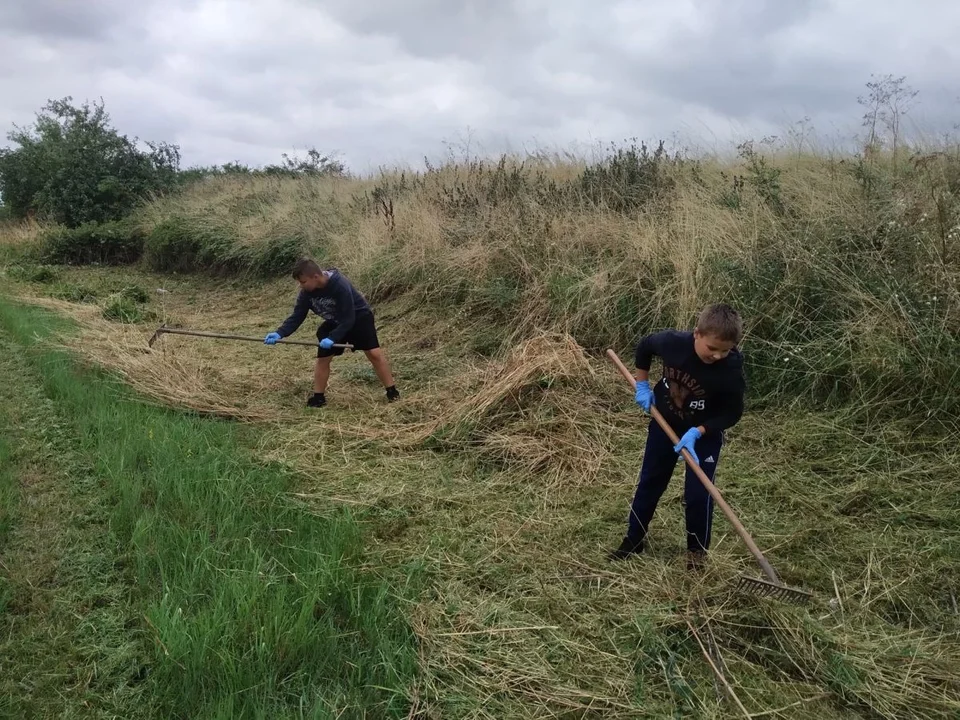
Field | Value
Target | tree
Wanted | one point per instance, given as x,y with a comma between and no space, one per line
72,167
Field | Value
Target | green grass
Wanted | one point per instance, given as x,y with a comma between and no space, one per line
9,500
232,601
70,643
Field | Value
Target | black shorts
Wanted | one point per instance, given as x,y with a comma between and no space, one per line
363,335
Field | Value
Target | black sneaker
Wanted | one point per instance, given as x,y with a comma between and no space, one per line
318,400
392,394
696,560
627,548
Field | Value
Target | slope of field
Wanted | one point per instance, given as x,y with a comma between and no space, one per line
504,474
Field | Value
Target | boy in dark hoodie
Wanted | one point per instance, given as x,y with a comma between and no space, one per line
348,319
701,394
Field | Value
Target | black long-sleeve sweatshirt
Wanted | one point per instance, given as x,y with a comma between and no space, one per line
339,302
692,392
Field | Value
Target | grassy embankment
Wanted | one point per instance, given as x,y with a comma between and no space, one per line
506,471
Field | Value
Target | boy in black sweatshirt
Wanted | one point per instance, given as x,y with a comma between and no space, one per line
700,395
348,319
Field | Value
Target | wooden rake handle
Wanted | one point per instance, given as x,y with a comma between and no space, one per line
710,487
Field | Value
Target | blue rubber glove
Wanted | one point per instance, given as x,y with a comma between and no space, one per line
271,338
644,395
687,442
326,343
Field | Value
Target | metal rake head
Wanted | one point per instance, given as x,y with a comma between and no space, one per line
766,588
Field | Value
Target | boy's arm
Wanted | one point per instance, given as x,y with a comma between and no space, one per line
725,416
727,409
648,346
299,314
346,312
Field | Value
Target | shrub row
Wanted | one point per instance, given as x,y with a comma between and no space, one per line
177,244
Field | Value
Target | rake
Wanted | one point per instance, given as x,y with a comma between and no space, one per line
164,330
770,587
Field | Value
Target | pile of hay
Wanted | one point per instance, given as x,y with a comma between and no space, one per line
539,410
541,413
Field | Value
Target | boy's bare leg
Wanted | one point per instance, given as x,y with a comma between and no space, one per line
378,359
321,374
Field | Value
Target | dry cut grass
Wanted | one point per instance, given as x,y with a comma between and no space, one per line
505,480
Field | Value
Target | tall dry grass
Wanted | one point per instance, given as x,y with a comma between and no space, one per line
844,267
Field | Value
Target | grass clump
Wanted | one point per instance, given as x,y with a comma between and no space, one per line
127,305
118,302
42,274
125,310
629,179
134,293
76,293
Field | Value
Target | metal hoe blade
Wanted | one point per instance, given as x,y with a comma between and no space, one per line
153,338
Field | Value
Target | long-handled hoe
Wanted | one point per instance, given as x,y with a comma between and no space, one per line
163,329
772,586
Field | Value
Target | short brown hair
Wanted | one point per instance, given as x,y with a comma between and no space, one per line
305,267
721,321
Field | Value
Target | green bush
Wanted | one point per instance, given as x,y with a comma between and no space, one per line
629,179
72,167
185,244
109,243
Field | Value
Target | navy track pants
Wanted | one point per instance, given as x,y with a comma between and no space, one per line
659,462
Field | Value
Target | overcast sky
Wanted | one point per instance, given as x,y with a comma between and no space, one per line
390,81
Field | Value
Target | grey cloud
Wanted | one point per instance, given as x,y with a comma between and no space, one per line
724,57
66,19
473,29
386,82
